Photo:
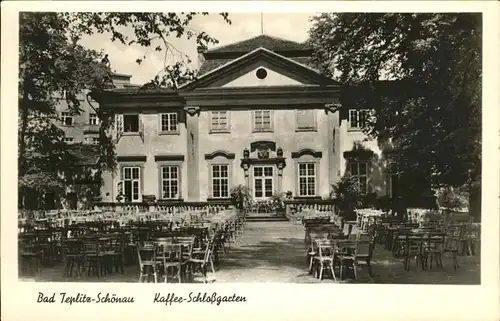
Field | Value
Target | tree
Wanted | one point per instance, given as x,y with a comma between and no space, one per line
421,76
54,68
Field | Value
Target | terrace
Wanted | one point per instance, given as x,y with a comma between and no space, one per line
303,246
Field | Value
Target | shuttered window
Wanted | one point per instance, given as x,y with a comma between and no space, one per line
262,120
306,119
219,121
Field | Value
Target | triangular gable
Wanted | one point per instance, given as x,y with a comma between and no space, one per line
248,77
286,67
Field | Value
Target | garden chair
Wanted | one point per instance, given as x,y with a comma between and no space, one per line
412,249
324,258
200,260
173,260
93,256
433,249
146,253
73,256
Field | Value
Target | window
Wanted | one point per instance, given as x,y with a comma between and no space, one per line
170,182
307,179
359,171
261,73
219,121
262,120
220,181
66,119
263,181
68,140
306,119
131,123
131,183
93,119
92,140
358,118
168,122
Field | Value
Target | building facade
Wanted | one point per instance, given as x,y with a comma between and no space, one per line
257,115
84,127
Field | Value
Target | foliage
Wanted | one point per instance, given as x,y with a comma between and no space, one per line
241,196
277,201
346,193
453,198
55,69
420,73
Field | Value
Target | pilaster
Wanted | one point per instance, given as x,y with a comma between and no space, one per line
192,157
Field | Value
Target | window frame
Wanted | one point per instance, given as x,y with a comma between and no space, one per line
263,177
227,129
307,158
93,118
168,131
312,128
124,130
170,179
220,178
139,181
67,115
358,175
271,122
219,160
307,176
357,113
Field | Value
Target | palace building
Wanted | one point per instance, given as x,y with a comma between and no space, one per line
258,115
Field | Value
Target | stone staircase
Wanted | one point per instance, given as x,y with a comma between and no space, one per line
266,217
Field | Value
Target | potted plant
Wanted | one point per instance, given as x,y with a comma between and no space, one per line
240,196
277,202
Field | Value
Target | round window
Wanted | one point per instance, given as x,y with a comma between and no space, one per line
261,73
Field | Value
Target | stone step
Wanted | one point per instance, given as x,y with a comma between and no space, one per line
267,218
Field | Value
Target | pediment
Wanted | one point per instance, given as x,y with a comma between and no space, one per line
263,74
243,72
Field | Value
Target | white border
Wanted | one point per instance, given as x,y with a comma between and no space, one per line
265,301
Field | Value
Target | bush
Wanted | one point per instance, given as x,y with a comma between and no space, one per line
241,196
346,193
453,198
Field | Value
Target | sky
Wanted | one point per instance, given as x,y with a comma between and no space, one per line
291,26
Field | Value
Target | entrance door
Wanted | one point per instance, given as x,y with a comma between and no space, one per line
263,182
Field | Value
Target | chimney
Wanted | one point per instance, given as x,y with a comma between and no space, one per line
201,57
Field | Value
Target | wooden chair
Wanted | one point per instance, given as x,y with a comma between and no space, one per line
146,254
452,245
73,256
200,259
345,256
363,254
30,255
114,250
412,249
93,256
325,257
470,238
433,249
172,260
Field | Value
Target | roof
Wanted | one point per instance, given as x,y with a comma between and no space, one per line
268,42
212,64
119,75
258,53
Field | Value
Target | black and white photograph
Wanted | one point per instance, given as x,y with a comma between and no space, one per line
322,147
